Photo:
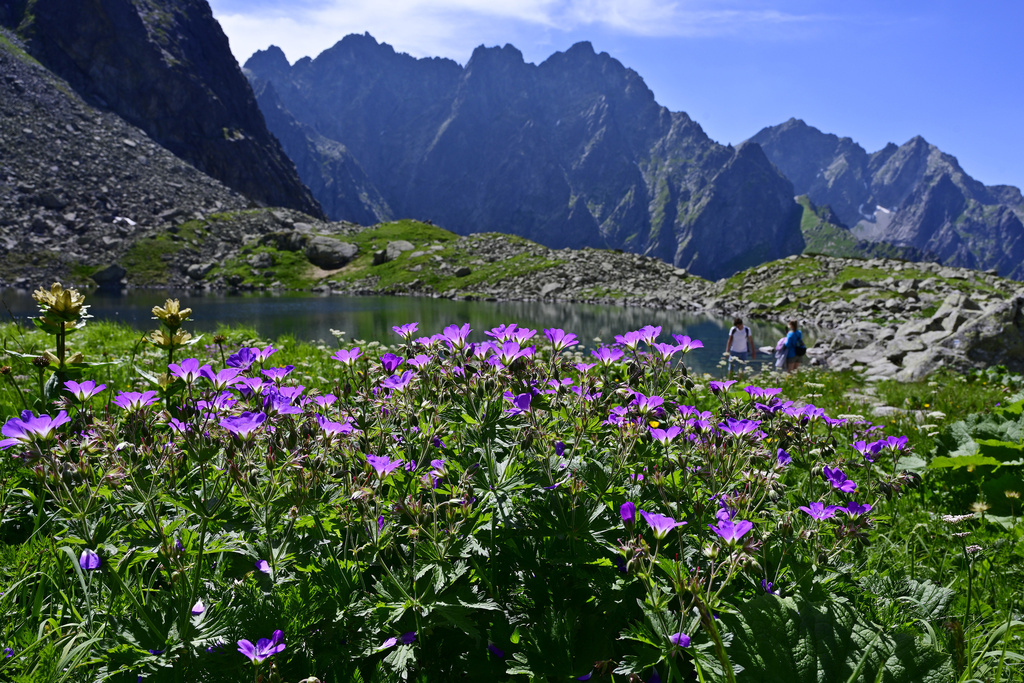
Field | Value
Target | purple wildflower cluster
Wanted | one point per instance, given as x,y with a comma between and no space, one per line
430,449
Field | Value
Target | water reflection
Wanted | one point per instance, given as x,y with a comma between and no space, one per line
312,317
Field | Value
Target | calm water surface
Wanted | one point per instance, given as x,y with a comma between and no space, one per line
311,317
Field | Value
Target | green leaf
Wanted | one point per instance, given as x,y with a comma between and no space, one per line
781,639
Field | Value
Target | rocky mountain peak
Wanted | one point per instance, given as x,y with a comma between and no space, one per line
572,152
908,196
271,60
167,68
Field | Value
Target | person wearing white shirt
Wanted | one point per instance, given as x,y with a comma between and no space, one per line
740,345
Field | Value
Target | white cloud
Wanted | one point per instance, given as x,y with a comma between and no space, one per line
452,28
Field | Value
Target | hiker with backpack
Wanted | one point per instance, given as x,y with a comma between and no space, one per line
740,344
795,347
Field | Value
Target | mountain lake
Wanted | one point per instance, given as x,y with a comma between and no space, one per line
312,317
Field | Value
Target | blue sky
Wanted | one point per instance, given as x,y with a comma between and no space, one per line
878,72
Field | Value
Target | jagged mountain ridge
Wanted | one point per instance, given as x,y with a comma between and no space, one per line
571,152
912,195
165,66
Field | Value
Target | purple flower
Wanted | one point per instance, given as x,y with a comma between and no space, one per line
278,374
406,638
334,428
496,651
739,427
768,587
243,358
664,436
607,356
854,509
895,443
820,511
244,425
263,648
406,331
455,336
666,351
647,404
559,449
783,458
188,370
325,400
263,566
419,360
628,512
868,450
347,356
583,367
630,339
560,339
511,351
686,344
8,652
29,428
133,400
520,403
732,531
660,523
220,380
719,387
649,334
399,382
680,639
198,608
502,332
383,465
85,390
89,560
838,479
390,362
759,392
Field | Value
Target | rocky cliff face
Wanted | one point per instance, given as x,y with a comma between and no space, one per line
165,67
79,186
573,152
913,196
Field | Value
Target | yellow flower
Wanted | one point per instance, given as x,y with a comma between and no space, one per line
654,424
166,341
171,313
65,304
979,506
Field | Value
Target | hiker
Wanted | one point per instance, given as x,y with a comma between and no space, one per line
795,348
740,344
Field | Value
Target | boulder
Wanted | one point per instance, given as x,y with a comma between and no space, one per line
109,276
197,271
329,253
396,247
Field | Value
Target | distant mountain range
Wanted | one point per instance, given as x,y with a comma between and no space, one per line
576,152
913,196
573,152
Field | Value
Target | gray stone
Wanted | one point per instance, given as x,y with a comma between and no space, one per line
109,276
397,247
462,271
197,271
329,253
550,289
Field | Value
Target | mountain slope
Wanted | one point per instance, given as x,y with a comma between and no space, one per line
913,195
165,67
572,152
